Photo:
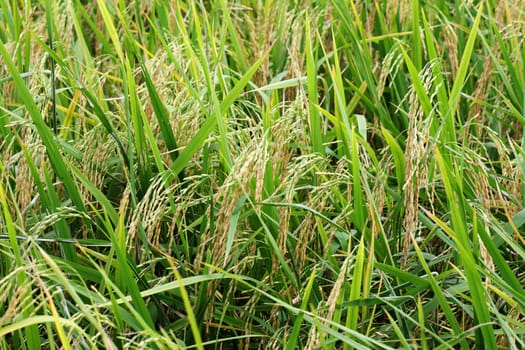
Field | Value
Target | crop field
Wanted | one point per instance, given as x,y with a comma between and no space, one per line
262,174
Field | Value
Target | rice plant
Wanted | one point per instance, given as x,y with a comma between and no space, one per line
259,174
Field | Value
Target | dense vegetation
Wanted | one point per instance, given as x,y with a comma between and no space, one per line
330,174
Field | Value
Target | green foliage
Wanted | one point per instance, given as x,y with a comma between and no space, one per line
325,174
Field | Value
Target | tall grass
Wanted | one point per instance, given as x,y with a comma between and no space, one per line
326,174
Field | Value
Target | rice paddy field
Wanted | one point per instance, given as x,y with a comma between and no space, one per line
262,174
